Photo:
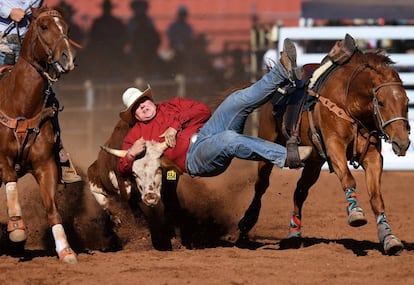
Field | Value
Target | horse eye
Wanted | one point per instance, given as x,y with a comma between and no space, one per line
43,27
380,103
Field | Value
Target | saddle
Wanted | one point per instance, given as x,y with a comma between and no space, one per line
314,76
291,117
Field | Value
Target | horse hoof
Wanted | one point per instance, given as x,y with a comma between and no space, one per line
17,235
393,245
357,218
67,255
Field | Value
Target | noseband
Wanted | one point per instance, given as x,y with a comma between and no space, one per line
48,50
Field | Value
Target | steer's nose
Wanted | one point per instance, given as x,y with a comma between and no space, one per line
151,199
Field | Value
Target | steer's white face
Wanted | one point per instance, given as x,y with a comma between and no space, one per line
148,174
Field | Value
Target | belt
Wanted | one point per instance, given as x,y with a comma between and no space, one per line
193,139
12,39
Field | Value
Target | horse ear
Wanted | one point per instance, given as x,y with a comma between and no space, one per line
35,12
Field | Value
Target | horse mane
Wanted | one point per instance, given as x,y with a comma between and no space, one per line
58,9
376,59
39,10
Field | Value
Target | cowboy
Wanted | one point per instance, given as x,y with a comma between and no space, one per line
200,143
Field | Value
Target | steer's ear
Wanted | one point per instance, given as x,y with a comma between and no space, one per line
167,164
113,151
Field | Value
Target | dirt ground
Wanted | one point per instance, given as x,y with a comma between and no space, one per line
331,252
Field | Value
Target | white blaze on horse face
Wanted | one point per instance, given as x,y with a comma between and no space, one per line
148,174
65,39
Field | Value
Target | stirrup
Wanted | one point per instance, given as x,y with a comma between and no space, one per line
293,158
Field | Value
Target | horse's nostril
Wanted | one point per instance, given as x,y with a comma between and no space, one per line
65,55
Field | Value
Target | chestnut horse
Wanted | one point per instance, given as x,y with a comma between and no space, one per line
27,136
360,103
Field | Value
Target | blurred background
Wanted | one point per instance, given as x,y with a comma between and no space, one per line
199,48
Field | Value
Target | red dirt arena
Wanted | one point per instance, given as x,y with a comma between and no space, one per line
331,253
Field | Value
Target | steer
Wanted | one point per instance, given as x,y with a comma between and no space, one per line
152,174
146,170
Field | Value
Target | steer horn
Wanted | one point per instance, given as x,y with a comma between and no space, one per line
122,152
116,152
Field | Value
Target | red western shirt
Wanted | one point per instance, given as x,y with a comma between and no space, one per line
185,115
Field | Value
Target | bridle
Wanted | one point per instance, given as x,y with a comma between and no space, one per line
381,132
377,113
49,51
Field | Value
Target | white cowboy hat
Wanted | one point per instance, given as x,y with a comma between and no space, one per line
131,98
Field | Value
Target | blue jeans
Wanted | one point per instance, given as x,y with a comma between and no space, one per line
221,138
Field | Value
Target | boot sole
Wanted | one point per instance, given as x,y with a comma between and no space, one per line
290,49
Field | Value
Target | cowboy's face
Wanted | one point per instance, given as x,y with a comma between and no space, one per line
146,111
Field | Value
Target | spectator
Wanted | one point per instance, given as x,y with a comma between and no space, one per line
180,36
105,49
144,40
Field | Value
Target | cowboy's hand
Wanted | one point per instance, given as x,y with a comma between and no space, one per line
137,148
170,136
17,14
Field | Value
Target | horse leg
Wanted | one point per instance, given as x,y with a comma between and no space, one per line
392,245
15,226
356,215
309,176
47,179
252,213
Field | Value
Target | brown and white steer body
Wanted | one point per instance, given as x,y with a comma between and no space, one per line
147,178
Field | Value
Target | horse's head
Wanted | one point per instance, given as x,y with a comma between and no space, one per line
391,112
46,45
390,105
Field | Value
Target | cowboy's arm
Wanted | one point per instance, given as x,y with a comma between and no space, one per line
192,113
5,9
135,145
16,12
